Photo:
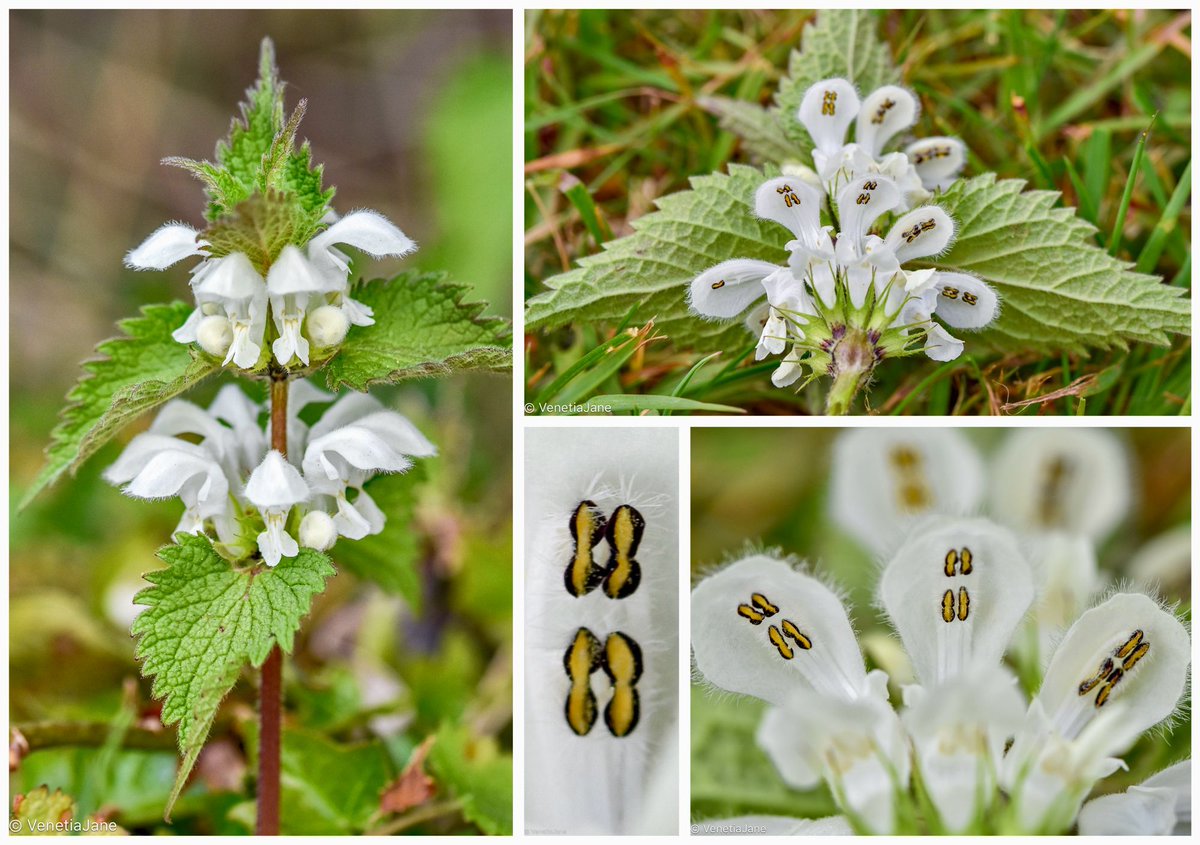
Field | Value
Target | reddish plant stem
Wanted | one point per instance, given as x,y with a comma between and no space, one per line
270,697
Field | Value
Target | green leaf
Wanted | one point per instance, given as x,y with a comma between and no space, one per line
129,376
330,789
204,620
390,557
842,42
1058,290
634,403
477,774
40,808
422,329
691,231
760,129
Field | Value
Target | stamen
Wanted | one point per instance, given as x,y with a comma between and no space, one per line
1133,642
718,285
792,631
829,103
964,604
965,558
587,528
882,111
951,563
763,604
750,614
582,658
970,298
910,477
778,641
789,193
624,533
865,197
1137,655
1129,653
948,606
622,662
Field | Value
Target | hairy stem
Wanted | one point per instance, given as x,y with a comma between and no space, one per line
270,697
853,360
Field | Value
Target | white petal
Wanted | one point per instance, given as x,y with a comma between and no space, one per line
317,531
359,447
275,543
861,202
275,483
187,332
292,273
955,591
940,345
883,478
1138,812
1065,568
349,407
965,302
885,111
232,277
182,417
166,245
791,203
762,659
920,233
790,371
358,519
369,231
937,160
827,110
198,481
357,313
782,737
1126,650
142,449
728,289
1049,479
1165,559
959,730
398,432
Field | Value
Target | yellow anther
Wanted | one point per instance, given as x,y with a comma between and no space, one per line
882,111
622,662
763,604
1138,654
624,532
950,293
970,298
790,630
829,103
747,612
951,563
580,661
587,528
718,285
1135,639
948,606
964,604
965,557
778,641
1089,684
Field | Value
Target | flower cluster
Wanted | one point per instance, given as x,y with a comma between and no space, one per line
831,105
303,303
844,301
956,589
218,462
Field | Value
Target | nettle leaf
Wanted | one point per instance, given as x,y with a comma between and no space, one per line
842,42
1058,289
478,774
390,557
422,329
690,232
760,129
129,376
204,620
330,789
261,227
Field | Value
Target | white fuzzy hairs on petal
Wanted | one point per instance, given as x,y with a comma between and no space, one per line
598,783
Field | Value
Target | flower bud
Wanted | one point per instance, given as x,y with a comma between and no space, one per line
214,334
327,326
317,531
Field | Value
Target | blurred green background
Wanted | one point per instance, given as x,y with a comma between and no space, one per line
410,111
614,100
769,487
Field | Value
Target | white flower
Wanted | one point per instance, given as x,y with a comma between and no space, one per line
157,466
274,488
1076,481
317,531
958,729
230,286
956,591
831,105
883,478
355,439
761,628
369,231
804,300
1120,670
233,299
1158,806
291,282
